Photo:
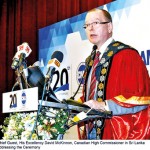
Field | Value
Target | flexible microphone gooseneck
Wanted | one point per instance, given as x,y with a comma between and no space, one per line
55,61
91,57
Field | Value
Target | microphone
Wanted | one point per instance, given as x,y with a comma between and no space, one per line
94,47
54,64
87,64
15,62
91,57
23,51
21,58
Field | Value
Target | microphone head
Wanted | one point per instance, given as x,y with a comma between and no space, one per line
53,62
15,63
18,58
58,55
24,48
95,47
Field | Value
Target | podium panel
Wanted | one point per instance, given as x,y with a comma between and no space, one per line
20,100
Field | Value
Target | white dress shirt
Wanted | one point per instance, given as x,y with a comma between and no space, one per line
101,50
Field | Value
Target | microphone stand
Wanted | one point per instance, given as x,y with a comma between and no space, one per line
92,55
48,80
39,109
45,92
18,72
19,78
78,86
25,73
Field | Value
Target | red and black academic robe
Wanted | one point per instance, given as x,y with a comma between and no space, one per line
128,84
128,77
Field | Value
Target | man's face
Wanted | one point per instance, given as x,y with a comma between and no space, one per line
97,33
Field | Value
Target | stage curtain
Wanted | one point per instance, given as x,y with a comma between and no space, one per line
20,21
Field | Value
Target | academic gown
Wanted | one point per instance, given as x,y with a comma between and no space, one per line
127,77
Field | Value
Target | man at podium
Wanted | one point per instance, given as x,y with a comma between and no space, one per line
116,80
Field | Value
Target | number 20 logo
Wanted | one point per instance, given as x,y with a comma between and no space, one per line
13,103
62,77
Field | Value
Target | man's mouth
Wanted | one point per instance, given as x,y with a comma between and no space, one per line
93,35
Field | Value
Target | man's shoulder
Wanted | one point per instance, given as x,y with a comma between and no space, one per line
118,46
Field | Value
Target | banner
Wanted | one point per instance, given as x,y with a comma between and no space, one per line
131,26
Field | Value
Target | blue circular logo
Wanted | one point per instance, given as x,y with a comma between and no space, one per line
79,74
23,98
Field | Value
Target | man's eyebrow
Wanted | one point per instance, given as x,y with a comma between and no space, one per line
97,19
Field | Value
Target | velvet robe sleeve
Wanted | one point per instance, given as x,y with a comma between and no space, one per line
128,77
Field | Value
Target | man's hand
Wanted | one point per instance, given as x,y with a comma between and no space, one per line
95,104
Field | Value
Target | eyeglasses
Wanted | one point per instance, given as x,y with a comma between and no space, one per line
94,24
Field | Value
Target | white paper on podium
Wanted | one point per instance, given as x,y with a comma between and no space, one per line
20,100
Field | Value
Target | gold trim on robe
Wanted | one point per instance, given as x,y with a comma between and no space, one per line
144,100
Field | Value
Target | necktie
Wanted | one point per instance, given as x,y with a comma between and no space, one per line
93,77
90,124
